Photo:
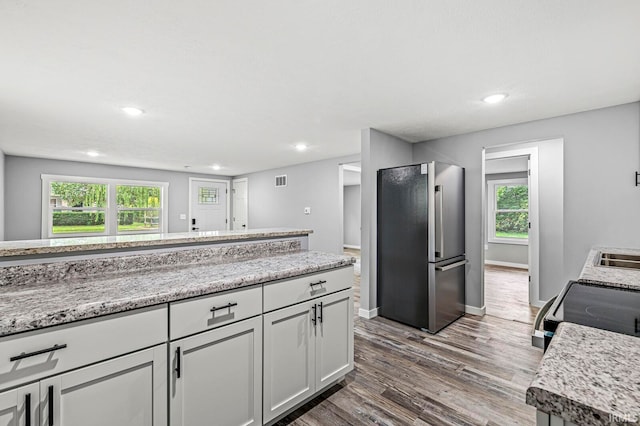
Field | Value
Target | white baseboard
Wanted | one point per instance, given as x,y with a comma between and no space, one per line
351,247
507,264
368,314
474,310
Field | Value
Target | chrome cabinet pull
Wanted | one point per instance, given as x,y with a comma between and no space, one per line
227,306
318,283
40,352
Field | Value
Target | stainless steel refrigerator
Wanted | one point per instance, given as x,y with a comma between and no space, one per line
421,245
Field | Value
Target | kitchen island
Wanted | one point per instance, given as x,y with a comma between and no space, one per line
587,377
244,332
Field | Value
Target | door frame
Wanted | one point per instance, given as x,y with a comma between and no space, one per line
228,196
534,216
233,181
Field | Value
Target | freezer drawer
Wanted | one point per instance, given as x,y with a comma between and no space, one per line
446,292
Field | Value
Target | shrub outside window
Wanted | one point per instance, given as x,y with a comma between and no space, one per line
508,211
77,206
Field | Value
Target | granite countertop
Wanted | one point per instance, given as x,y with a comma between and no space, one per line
592,273
69,245
589,376
31,306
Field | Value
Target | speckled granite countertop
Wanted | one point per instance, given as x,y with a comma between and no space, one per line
32,306
70,245
614,277
589,377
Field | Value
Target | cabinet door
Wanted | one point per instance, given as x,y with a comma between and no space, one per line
19,407
217,376
127,391
334,338
289,358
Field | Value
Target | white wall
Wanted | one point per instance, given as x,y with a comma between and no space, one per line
379,151
2,159
23,196
316,185
352,215
601,202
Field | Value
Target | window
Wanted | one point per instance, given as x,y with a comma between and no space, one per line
76,206
508,211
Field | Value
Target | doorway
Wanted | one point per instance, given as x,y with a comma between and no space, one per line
240,191
208,204
511,229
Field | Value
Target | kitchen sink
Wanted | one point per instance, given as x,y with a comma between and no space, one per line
616,260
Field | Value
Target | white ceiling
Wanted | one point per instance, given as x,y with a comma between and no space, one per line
240,82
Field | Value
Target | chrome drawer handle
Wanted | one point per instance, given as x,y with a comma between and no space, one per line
40,352
318,283
453,265
227,306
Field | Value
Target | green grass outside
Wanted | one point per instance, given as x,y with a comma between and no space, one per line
86,229
521,235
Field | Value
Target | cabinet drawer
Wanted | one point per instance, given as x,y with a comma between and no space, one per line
43,352
195,315
279,294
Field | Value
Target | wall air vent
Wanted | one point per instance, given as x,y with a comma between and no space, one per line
281,181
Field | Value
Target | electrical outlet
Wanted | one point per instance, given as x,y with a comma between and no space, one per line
183,216
307,210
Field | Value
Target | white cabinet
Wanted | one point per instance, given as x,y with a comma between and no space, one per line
217,376
19,407
307,347
127,391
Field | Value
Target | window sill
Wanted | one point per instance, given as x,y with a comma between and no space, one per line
513,241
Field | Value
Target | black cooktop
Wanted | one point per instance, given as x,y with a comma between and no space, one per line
608,308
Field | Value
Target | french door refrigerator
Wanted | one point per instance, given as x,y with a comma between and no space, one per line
421,245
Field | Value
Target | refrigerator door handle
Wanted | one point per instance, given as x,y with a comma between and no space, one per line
439,189
452,266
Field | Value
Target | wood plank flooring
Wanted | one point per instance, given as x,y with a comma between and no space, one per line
474,372
507,294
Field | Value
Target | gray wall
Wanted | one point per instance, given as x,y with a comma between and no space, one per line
352,215
316,185
23,190
2,159
379,151
501,252
601,203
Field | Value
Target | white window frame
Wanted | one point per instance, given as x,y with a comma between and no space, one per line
111,209
492,185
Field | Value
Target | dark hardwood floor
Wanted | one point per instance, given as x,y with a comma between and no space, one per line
474,372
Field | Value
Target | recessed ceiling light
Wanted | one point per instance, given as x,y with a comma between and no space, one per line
216,167
494,99
93,153
133,111
301,147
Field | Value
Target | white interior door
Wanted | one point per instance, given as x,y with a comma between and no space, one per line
240,204
209,205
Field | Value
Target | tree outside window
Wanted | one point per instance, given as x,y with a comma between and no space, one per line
509,211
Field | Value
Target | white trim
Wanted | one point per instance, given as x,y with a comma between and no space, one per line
111,219
474,310
368,314
228,196
507,264
349,246
245,179
352,168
